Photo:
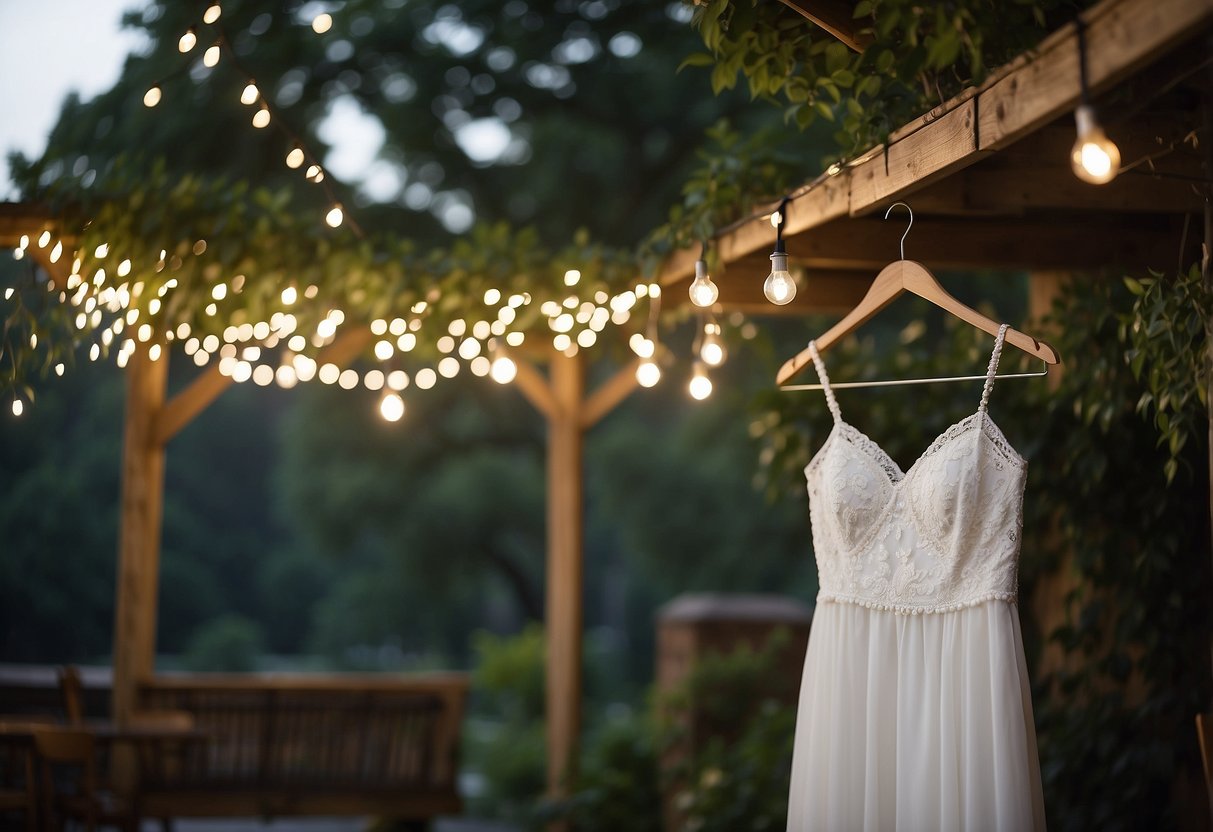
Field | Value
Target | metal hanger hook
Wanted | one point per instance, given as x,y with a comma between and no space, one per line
908,227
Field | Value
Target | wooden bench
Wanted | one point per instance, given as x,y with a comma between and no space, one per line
309,745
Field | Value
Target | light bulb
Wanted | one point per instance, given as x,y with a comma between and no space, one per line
648,374
703,291
700,386
18,407
1095,158
334,216
249,94
212,13
391,407
289,295
261,118
188,41
503,369
322,22
211,56
779,287
152,97
295,158
712,350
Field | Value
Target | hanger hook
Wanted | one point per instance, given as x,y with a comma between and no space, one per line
908,227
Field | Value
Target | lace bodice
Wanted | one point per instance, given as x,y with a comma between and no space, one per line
941,536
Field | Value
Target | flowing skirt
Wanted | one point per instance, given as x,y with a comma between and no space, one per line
915,723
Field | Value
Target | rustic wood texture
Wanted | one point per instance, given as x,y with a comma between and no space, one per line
304,744
609,395
139,532
1025,96
564,607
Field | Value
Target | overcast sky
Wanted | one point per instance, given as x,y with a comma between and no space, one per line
47,49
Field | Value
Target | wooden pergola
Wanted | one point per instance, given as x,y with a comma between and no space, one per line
988,176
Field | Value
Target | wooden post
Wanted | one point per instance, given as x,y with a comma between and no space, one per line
139,532
563,619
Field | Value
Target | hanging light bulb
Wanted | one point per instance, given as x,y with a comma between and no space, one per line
779,287
334,216
648,373
703,291
712,350
211,56
212,13
295,158
261,118
322,22
18,407
188,41
391,406
249,94
314,173
700,386
1095,158
152,97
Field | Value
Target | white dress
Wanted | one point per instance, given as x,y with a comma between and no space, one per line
915,711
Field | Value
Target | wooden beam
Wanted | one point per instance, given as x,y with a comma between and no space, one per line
917,160
22,218
1122,37
1087,242
197,396
183,407
139,533
836,17
609,394
535,388
563,619
1032,91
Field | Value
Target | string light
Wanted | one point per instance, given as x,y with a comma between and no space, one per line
334,216
152,97
322,22
261,118
648,373
780,286
700,386
212,13
187,41
211,56
712,350
249,94
18,407
703,291
295,158
503,369
391,406
1094,158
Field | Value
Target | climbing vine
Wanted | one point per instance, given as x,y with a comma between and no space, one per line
916,56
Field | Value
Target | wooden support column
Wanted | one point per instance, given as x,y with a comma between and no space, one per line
139,532
563,619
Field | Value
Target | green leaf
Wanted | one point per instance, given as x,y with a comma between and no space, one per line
696,59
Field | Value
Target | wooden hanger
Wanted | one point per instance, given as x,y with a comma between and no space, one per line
910,276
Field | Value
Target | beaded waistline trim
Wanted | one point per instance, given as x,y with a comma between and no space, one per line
908,609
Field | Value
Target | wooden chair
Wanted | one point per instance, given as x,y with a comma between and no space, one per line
70,784
72,688
18,785
1204,733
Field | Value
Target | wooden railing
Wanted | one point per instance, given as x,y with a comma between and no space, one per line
309,745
